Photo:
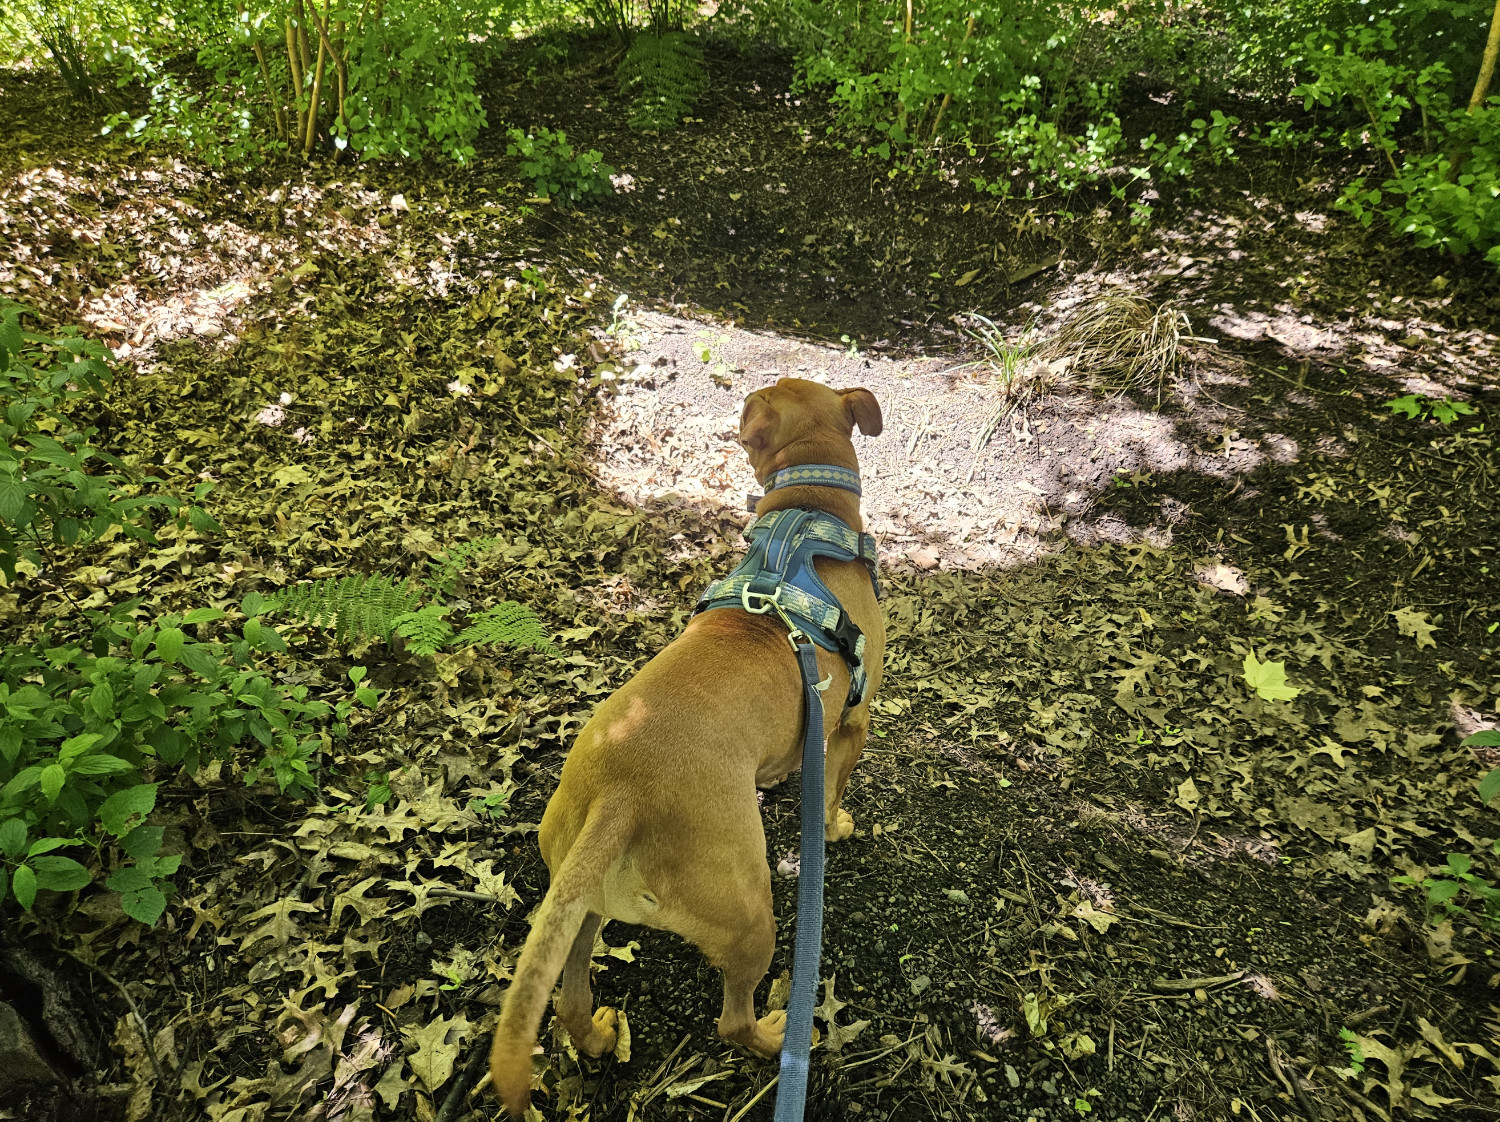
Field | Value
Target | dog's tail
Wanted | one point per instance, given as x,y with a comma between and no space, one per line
579,880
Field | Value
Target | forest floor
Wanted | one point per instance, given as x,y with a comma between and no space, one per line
1094,874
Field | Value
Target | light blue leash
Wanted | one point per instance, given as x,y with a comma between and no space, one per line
796,1046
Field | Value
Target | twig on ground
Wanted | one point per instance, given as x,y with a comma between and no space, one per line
468,1076
169,1085
744,1110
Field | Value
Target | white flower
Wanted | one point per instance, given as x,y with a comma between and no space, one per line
458,389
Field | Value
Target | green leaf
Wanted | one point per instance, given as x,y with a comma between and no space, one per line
12,837
102,701
143,842
10,743
203,615
1489,786
53,778
169,644
60,874
144,904
102,764
1484,738
1268,679
47,845
75,746
123,811
23,884
12,497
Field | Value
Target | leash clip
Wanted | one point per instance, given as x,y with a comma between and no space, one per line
771,600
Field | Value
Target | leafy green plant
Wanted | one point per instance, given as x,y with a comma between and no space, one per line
97,700
380,607
663,75
1417,407
1356,1051
555,169
274,77
709,347
1456,889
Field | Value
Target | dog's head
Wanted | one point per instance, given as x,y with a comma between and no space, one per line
801,422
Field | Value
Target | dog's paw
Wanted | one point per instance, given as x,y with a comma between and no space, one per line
602,1033
770,1030
841,826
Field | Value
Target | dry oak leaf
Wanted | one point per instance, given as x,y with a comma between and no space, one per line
436,1046
280,926
1409,621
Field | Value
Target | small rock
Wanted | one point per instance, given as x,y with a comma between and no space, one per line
919,984
21,1064
398,203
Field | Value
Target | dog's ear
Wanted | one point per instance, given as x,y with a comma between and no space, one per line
863,410
757,423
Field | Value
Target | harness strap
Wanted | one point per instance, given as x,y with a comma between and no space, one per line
796,1046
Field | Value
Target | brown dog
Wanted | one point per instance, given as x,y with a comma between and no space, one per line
655,820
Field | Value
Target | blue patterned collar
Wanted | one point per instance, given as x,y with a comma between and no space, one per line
814,475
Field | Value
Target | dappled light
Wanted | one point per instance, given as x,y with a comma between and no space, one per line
370,392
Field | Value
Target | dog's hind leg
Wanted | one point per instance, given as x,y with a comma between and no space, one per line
593,1032
845,744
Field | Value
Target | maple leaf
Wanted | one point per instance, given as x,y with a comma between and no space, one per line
1417,624
1268,679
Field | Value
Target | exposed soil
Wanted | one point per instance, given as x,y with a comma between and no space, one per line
1093,874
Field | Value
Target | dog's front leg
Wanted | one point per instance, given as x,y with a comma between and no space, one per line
845,744
741,942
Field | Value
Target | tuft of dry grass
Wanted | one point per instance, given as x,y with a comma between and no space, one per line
1017,373
1120,342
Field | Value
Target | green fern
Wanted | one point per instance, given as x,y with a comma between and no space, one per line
446,566
354,606
664,74
426,631
509,624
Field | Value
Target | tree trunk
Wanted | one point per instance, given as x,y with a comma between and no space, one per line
1487,64
265,73
294,63
317,89
948,97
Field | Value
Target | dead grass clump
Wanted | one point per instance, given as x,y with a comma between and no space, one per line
1119,342
1018,374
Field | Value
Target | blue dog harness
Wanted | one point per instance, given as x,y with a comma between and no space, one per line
777,574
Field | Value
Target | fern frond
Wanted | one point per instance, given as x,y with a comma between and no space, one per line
425,630
446,566
509,624
665,75
354,606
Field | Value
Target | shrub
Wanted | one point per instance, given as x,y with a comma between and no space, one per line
555,170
